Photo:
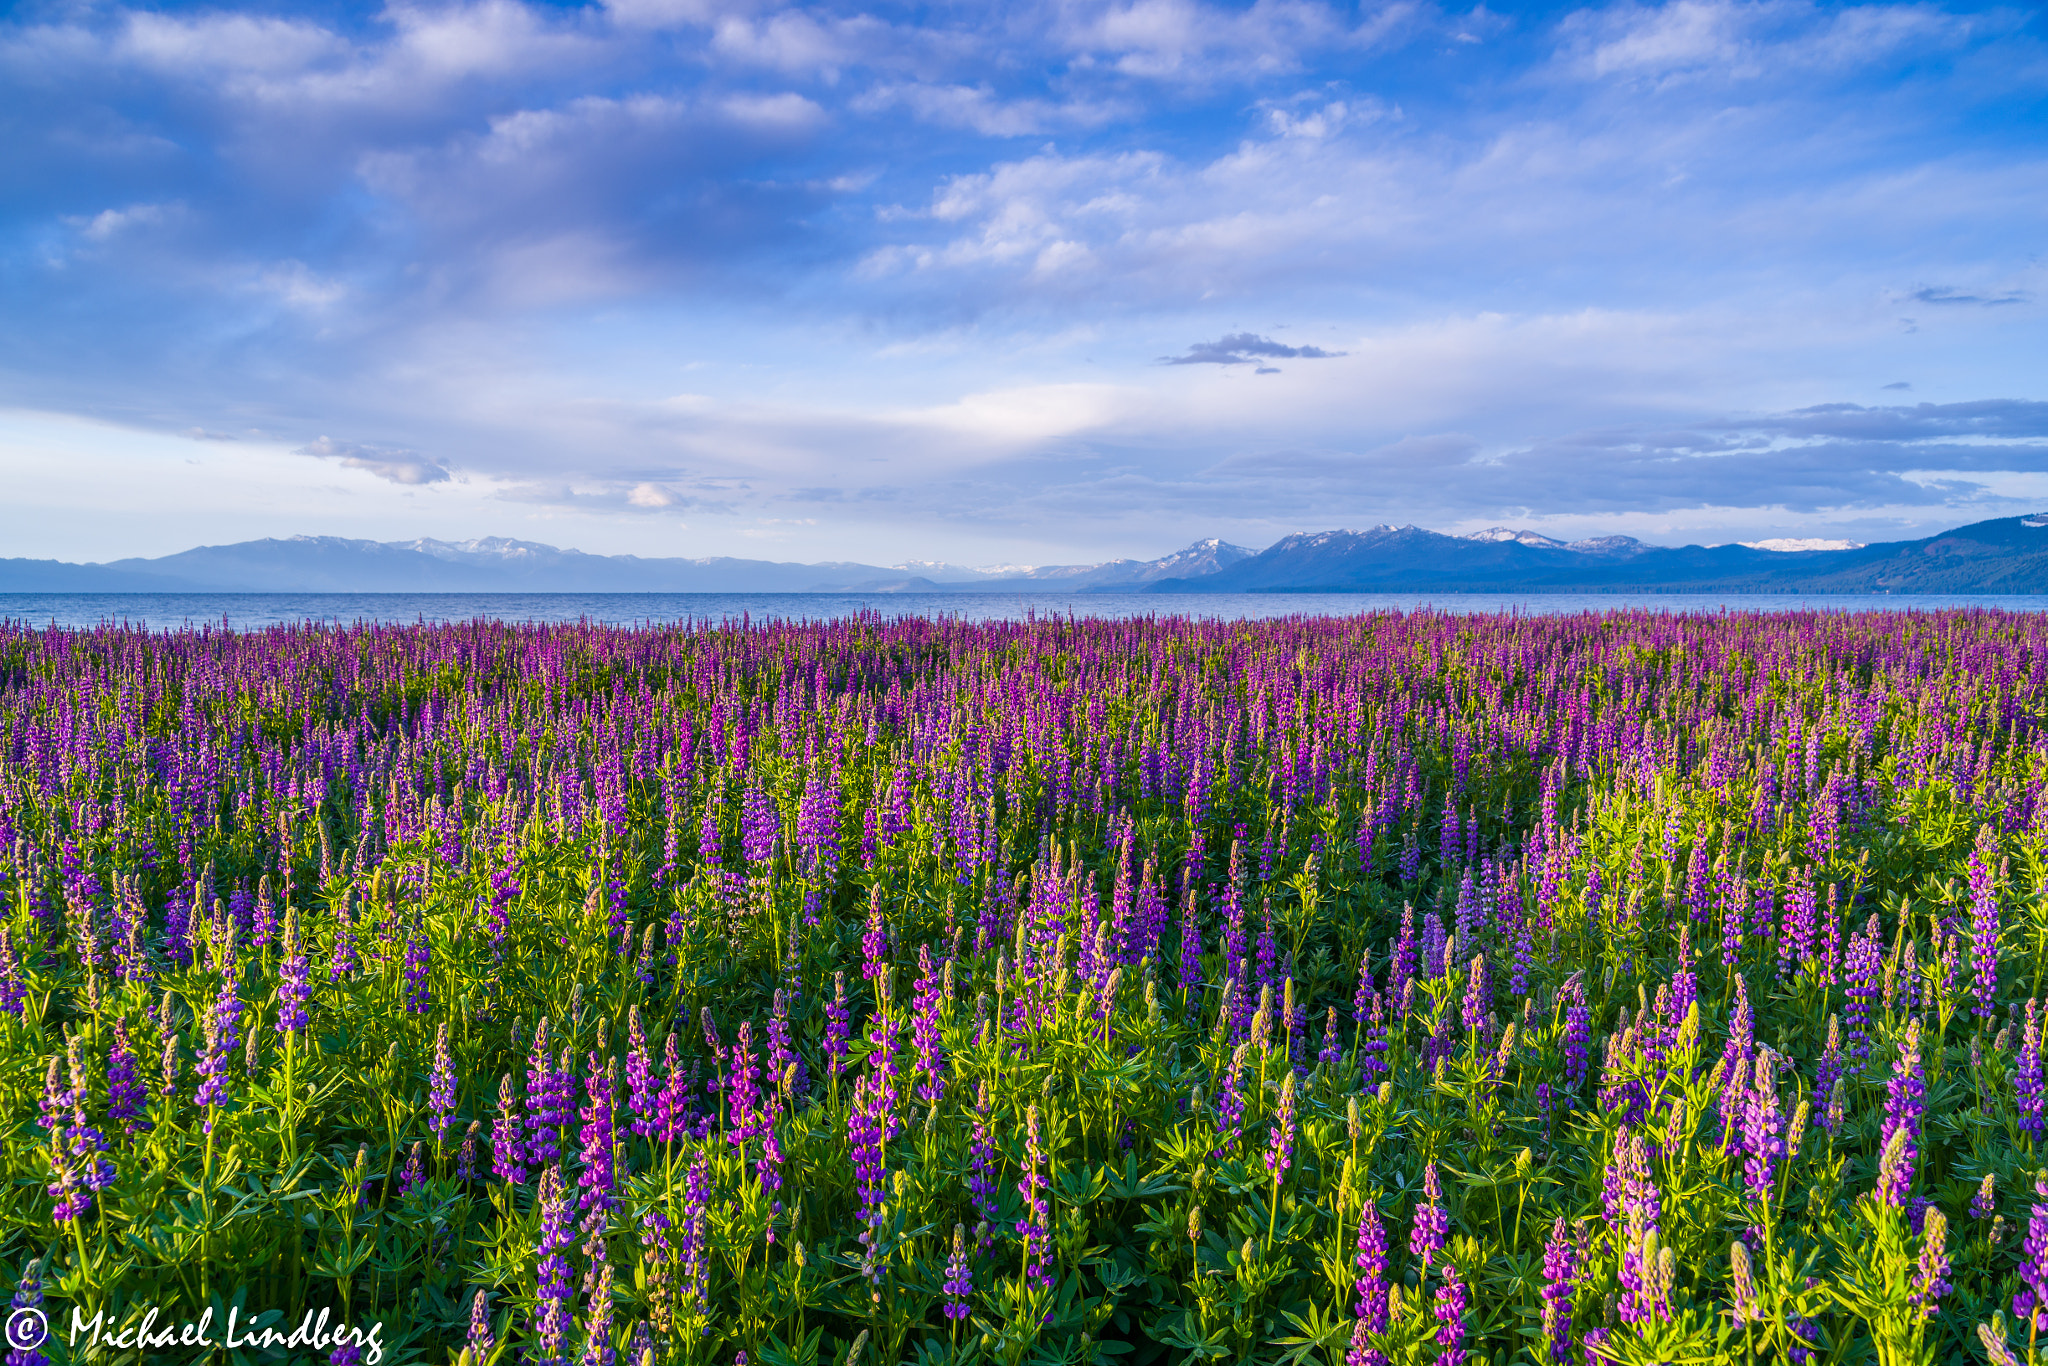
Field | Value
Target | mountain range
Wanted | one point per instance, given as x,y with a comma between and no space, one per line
2005,555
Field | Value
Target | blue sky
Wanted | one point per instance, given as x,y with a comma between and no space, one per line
1020,283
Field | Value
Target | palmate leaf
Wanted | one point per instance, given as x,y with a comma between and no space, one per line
1315,1331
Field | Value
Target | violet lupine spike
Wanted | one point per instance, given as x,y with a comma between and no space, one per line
1930,1272
693,1250
127,1097
1762,1125
223,1039
597,1329
642,1094
482,1341
1451,1300
294,984
441,1086
959,1282
981,1157
1432,1224
599,1140
867,1123
1905,1094
2026,1072
1560,1278
1371,1307
13,990
672,1106
508,1143
925,1031
1984,920
555,1295
838,1026
1035,1228
27,1306
1280,1152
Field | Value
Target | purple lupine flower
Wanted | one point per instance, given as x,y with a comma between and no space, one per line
1035,1228
2033,1268
1280,1155
1426,1239
13,991
1230,1101
1191,955
1985,1202
838,1026
981,1186
414,1174
223,1038
867,1135
1451,1297
1641,1216
2026,1072
1373,1064
1560,1278
782,1054
1984,920
555,1293
597,1329
419,961
1478,1002
70,1190
441,1086
673,1105
642,1095
743,1089
1930,1272
345,960
959,1282
598,1136
1371,1310
346,1354
482,1342
28,1295
294,980
1578,1035
924,1030
548,1099
1864,967
1827,1085
693,1255
1762,1123
760,824
1905,1094
127,1097
465,1156
508,1146
874,940
1329,1054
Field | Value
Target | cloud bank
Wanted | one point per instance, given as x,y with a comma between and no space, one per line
702,273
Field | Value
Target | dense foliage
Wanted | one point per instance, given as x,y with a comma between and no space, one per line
1391,989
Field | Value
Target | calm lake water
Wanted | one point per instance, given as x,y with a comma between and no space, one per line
250,611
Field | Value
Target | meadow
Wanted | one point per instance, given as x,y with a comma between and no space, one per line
1380,989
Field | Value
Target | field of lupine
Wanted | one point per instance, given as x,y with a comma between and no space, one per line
1384,989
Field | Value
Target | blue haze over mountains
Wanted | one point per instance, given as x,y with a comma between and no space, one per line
2004,555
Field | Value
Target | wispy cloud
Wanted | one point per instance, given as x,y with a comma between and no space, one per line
1242,348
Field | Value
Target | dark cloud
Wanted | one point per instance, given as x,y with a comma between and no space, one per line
1897,384
1242,348
1944,294
394,464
